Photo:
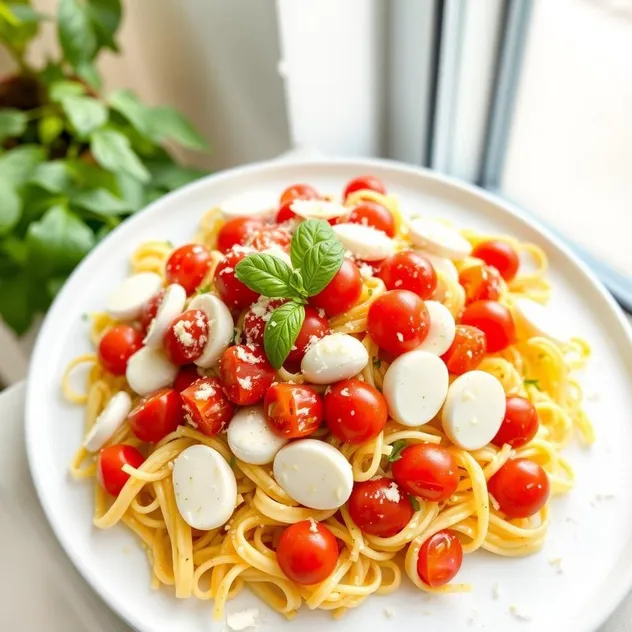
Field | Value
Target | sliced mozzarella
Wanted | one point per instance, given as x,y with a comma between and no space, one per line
108,422
442,329
148,370
533,319
205,487
473,410
443,266
171,306
318,209
415,386
438,238
220,328
250,438
128,299
314,474
279,254
250,204
365,242
334,357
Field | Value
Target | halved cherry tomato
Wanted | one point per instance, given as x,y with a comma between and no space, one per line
206,404
375,215
257,316
285,213
342,292
150,309
481,283
186,337
236,232
428,471
156,415
520,423
521,488
362,183
293,410
314,327
307,552
466,351
499,254
231,290
379,507
186,376
271,236
398,321
440,558
408,270
188,266
116,347
355,411
494,320
110,466
298,192
245,374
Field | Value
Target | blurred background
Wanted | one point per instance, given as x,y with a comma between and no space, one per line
528,98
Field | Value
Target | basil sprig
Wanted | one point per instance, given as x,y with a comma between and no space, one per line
316,256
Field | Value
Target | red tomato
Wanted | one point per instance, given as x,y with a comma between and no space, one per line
428,471
343,290
355,411
440,558
245,374
186,376
494,320
408,270
499,254
207,406
257,316
150,309
188,266
521,488
293,410
398,321
314,327
186,337
379,507
298,192
467,350
519,425
375,215
271,236
236,232
110,466
117,346
156,415
481,283
307,552
362,183
231,290
285,213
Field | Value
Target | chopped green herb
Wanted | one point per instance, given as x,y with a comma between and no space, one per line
203,289
414,503
535,383
169,243
396,453
233,460
377,363
370,292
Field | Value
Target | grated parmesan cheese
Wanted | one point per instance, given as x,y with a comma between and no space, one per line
400,336
392,493
244,352
345,392
184,337
556,563
519,614
389,613
205,391
313,527
245,382
496,590
243,619
366,271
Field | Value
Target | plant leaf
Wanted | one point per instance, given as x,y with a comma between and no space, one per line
19,24
17,165
15,307
266,274
396,453
131,191
170,176
112,150
52,176
106,18
85,113
12,123
54,284
87,71
76,31
127,103
61,89
308,234
10,206
320,265
169,123
281,331
100,202
49,128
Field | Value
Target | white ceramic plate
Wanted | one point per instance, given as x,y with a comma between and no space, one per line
591,528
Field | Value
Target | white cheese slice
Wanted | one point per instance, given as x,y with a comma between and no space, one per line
148,370
108,422
250,204
438,238
171,306
533,319
334,357
318,209
365,242
443,266
128,299
220,328
250,438
442,329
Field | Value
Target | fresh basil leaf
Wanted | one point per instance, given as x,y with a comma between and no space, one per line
10,206
414,503
52,72
12,123
52,176
169,123
54,284
131,191
15,249
106,18
76,31
87,71
281,331
320,265
266,274
396,453
100,202
15,307
308,234
85,113
19,24
296,283
90,175
127,103
17,165
112,150
170,176
60,89
49,128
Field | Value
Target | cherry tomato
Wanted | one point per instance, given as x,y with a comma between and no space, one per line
293,410
521,488
520,423
285,213
206,404
110,466
307,552
481,283
428,471
343,290
150,309
117,346
245,374
363,183
494,320
257,317
186,337
231,290
355,411
156,415
271,236
466,351
188,266
186,376
398,321
236,232
408,270
499,254
379,507
313,328
298,192
440,558
374,215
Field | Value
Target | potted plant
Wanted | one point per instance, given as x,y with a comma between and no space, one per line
74,163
